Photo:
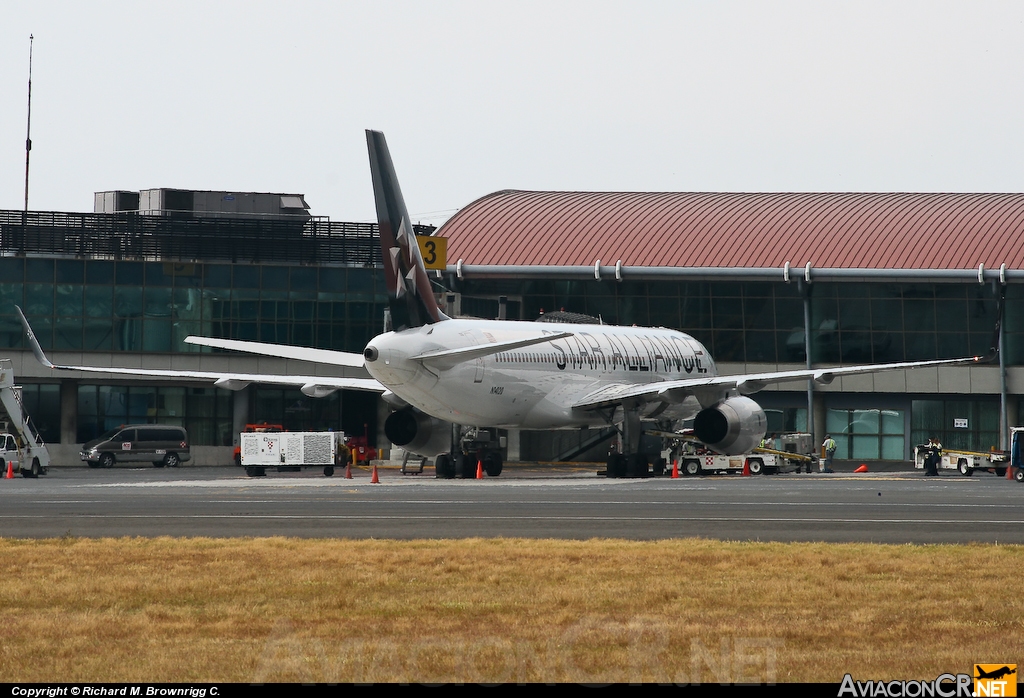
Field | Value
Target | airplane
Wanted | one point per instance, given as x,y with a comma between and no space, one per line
995,673
436,371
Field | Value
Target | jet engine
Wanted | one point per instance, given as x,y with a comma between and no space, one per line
732,427
418,432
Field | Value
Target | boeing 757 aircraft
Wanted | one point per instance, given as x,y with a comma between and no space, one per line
436,371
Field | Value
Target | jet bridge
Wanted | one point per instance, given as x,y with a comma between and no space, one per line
32,457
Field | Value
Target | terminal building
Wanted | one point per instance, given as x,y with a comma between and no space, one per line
765,281
780,281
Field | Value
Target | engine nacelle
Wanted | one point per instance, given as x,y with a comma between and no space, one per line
732,427
418,432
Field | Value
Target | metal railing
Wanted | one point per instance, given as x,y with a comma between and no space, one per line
182,237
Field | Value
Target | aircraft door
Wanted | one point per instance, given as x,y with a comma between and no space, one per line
478,364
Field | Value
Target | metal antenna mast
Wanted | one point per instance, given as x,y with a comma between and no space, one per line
28,127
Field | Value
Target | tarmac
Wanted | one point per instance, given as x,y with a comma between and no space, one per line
529,500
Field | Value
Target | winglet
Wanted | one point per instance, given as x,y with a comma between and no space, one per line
410,296
33,342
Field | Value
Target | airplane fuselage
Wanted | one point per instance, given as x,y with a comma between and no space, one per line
533,387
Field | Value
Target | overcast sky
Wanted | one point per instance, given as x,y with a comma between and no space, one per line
480,96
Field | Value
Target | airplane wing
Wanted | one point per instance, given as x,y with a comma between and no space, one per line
313,386
446,358
322,356
442,358
674,391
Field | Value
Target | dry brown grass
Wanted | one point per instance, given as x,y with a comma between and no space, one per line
276,609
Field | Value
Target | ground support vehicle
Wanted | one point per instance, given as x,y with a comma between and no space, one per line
474,446
360,449
965,462
159,444
261,428
23,447
289,450
759,461
789,452
1017,453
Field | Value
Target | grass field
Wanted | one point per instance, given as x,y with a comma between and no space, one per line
685,611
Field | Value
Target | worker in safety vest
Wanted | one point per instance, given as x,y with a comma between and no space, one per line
829,447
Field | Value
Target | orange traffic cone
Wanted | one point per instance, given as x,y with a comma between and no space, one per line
374,478
1009,473
10,470
746,467
862,469
479,469
348,471
675,468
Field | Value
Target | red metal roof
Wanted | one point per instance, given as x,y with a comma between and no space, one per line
885,231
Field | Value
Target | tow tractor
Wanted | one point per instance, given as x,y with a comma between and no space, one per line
966,462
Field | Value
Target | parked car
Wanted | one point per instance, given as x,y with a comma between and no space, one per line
160,445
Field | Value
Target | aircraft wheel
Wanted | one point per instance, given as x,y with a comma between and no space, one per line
492,464
756,466
691,467
659,466
961,465
443,467
616,465
465,466
637,466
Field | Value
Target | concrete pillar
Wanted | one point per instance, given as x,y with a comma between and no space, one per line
239,413
69,411
819,420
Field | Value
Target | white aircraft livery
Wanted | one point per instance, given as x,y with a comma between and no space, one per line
437,371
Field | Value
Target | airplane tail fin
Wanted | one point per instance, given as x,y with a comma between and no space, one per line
409,293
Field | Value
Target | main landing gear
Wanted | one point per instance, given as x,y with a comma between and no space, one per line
631,462
476,447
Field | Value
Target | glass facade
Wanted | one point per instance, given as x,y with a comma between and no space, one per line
206,413
852,323
42,403
971,425
867,434
756,322
135,306
131,306
353,412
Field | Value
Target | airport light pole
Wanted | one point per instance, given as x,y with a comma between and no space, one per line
28,126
